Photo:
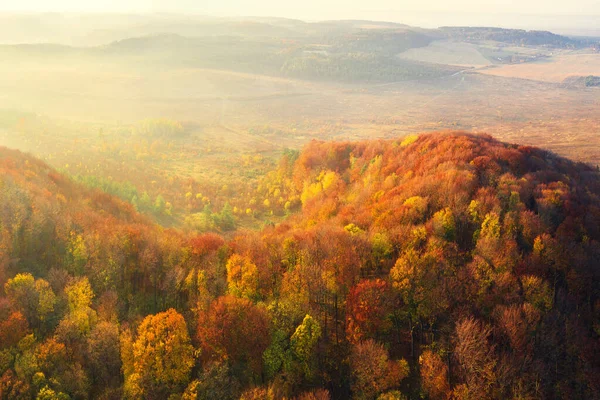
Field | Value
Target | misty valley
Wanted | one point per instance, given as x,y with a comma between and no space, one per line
198,207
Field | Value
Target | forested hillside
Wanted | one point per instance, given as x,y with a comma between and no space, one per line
333,52
435,266
513,36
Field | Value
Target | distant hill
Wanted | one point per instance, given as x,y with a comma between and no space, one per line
348,51
512,36
97,29
590,81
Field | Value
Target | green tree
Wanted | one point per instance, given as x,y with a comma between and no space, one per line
226,219
48,394
304,342
214,382
145,203
77,254
159,204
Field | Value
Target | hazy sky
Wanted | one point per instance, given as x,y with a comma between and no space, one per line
312,9
533,14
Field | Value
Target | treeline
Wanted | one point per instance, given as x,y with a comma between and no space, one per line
360,67
128,192
592,81
355,55
514,36
439,266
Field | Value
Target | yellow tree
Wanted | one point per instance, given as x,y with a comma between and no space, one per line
79,294
242,277
81,317
162,357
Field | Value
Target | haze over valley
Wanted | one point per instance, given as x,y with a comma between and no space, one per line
311,204
259,85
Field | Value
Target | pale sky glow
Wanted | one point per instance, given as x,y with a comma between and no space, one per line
558,16
311,9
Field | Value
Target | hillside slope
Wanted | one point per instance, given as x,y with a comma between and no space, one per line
41,209
444,265
512,36
477,261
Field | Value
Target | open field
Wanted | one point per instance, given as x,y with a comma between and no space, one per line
448,52
264,114
240,112
554,70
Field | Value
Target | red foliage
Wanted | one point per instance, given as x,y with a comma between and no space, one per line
206,243
367,308
12,329
234,329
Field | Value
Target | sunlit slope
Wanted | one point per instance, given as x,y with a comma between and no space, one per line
45,216
468,236
409,249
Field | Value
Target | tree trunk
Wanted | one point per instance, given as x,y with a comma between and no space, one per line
337,341
412,338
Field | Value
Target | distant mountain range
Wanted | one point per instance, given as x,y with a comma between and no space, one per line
99,29
341,51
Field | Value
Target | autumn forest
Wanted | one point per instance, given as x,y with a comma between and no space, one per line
196,206
445,265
